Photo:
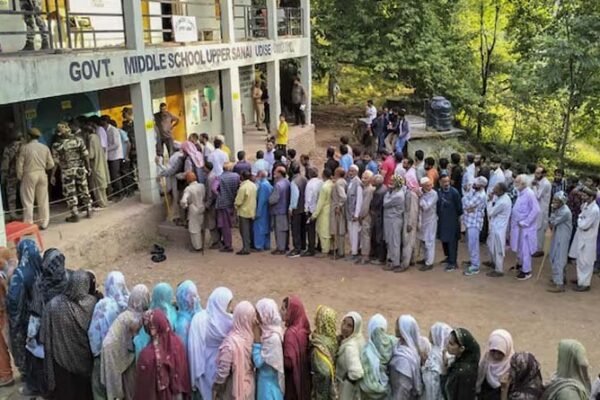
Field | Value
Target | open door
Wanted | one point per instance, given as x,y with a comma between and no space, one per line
176,106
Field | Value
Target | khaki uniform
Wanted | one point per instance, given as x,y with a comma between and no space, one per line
32,163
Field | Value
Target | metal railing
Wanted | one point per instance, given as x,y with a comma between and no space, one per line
158,19
251,22
289,21
60,26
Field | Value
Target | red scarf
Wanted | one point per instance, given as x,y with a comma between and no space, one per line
295,351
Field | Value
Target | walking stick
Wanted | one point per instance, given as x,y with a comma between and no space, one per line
546,251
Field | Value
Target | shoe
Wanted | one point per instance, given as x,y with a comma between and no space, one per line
308,254
157,249
226,250
242,253
89,212
193,250
321,255
556,289
426,267
28,46
215,246
157,258
471,270
42,228
376,262
581,288
400,269
488,264
7,382
495,274
450,268
293,254
444,261
362,261
537,254
74,218
516,268
523,276
351,258
278,252
465,264
387,267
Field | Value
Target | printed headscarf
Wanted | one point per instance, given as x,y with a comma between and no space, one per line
272,337
192,152
188,304
51,282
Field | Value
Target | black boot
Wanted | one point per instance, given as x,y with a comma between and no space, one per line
28,46
73,218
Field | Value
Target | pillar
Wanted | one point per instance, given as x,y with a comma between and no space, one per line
134,24
274,87
145,140
272,19
227,21
305,79
2,226
305,6
232,109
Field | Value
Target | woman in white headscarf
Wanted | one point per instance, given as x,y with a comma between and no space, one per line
349,370
405,371
207,332
494,364
432,370
375,359
267,352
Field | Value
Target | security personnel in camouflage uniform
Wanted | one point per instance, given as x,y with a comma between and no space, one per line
71,155
33,18
9,170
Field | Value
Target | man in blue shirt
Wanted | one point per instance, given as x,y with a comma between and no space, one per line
346,160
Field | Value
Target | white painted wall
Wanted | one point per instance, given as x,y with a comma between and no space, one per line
207,20
197,108
246,82
158,93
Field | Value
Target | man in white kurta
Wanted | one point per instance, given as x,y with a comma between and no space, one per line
354,198
543,192
427,223
583,248
193,200
499,208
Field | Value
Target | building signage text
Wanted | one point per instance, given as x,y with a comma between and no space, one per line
171,59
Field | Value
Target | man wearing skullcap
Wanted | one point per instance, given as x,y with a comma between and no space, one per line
354,197
583,248
33,161
499,208
193,201
427,223
474,203
393,219
561,224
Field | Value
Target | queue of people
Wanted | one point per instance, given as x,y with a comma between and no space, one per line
72,342
391,209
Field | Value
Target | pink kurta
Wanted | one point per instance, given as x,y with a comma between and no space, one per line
523,221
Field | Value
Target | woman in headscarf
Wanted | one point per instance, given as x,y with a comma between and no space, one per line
323,351
105,312
162,368
524,378
68,361
405,370
162,298
19,297
194,160
571,381
295,349
207,332
494,365
188,304
267,351
235,372
375,359
461,378
50,283
8,263
117,367
434,365
348,368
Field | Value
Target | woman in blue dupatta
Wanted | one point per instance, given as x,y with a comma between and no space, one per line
375,359
188,304
19,296
162,298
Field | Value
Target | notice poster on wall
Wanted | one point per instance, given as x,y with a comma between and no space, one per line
184,29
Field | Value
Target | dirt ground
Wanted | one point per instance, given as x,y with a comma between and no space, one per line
536,319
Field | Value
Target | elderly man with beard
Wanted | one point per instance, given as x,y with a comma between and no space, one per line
337,222
543,192
583,248
411,219
427,223
498,209
393,218
354,198
523,231
474,204
561,224
364,217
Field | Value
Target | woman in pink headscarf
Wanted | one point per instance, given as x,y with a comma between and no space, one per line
235,371
295,350
494,364
194,160
267,351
